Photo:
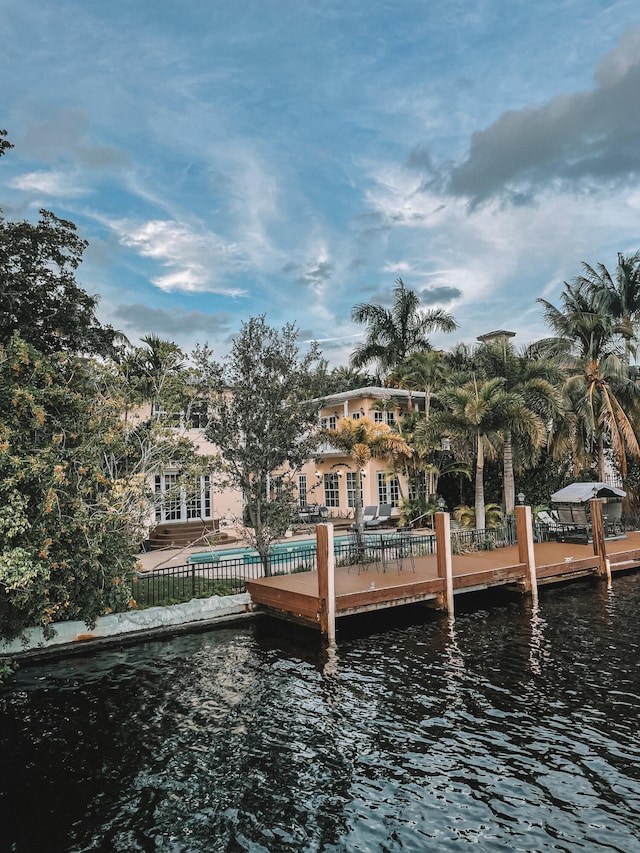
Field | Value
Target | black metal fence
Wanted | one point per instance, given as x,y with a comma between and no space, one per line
227,576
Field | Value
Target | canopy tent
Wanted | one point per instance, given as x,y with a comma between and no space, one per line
583,492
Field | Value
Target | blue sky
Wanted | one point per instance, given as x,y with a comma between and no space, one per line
293,158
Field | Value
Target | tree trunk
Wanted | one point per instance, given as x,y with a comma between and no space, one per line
601,456
509,482
480,514
358,507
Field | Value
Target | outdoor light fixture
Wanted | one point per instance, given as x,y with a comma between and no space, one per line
441,503
318,475
521,498
363,473
445,444
339,473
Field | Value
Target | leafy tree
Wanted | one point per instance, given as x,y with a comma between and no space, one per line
39,297
422,371
394,333
262,421
66,551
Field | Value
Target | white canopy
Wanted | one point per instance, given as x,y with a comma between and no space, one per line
582,492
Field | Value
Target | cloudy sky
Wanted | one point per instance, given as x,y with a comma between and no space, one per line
228,158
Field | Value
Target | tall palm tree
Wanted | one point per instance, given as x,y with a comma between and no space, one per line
392,333
620,297
603,400
473,416
538,400
361,440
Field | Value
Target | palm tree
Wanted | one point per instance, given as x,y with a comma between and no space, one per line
600,395
393,333
473,416
535,384
619,298
422,371
361,440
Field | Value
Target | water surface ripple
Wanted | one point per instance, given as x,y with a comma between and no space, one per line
513,729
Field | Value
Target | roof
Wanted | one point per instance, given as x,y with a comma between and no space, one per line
500,333
582,492
370,391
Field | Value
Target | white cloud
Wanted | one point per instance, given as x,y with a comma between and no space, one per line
196,261
55,184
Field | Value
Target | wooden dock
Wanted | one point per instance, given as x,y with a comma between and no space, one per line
296,597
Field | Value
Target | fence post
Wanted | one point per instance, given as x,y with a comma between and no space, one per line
597,531
526,554
326,580
443,558
193,580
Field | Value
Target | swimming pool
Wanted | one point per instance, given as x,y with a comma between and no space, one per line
248,554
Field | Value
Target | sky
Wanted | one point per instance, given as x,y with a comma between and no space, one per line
232,158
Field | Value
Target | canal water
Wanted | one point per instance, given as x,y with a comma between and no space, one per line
514,730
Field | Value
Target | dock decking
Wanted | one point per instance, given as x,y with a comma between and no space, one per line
296,596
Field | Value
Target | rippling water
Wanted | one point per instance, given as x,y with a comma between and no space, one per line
512,730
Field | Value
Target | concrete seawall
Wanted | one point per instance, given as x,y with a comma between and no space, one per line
132,625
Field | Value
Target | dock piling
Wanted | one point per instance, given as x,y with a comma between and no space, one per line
326,580
443,558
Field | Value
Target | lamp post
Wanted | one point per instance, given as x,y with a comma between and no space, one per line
441,503
520,497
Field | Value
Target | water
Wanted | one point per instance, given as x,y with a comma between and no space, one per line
515,730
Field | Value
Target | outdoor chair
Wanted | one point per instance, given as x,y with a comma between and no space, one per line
382,518
368,514
360,555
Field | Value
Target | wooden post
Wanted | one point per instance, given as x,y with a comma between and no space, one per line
443,558
326,580
526,554
597,531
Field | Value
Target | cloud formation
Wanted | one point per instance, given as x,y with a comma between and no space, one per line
585,135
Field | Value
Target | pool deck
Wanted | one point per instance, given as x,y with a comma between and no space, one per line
296,596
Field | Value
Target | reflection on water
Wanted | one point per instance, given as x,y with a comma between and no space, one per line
514,728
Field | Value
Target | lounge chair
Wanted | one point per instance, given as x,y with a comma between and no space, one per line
368,514
382,518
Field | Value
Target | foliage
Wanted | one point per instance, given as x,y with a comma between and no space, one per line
413,510
394,333
39,296
466,516
360,440
262,421
65,552
602,400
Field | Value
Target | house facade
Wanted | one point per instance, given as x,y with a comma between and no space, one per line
330,478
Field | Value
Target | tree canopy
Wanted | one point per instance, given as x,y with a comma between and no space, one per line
263,421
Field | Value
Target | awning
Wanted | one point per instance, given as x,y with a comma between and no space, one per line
582,492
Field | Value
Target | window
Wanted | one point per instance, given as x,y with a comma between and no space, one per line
199,416
351,489
329,423
175,502
356,416
302,490
384,417
331,490
278,488
388,489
